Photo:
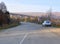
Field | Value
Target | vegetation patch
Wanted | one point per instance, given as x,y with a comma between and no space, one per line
57,26
10,26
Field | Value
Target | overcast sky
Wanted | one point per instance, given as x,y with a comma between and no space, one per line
32,5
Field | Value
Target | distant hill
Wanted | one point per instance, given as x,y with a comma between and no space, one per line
56,13
31,13
37,13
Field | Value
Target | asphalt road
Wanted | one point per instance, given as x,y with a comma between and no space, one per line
28,33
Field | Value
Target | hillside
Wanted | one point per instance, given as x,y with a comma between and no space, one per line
38,13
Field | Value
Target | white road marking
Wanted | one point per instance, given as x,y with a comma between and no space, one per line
23,38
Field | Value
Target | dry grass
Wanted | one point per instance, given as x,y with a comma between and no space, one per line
52,30
55,22
56,31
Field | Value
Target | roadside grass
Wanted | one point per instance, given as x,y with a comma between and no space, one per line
57,26
56,31
10,26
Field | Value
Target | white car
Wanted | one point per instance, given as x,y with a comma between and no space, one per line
46,23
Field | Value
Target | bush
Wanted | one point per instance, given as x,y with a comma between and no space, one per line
55,23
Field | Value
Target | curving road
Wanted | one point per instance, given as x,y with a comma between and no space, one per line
29,33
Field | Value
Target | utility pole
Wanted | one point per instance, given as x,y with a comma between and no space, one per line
49,13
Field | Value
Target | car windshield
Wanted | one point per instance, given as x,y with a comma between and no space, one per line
47,22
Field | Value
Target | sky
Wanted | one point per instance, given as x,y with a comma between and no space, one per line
32,5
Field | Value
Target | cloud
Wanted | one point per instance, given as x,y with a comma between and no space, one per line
31,5
27,8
